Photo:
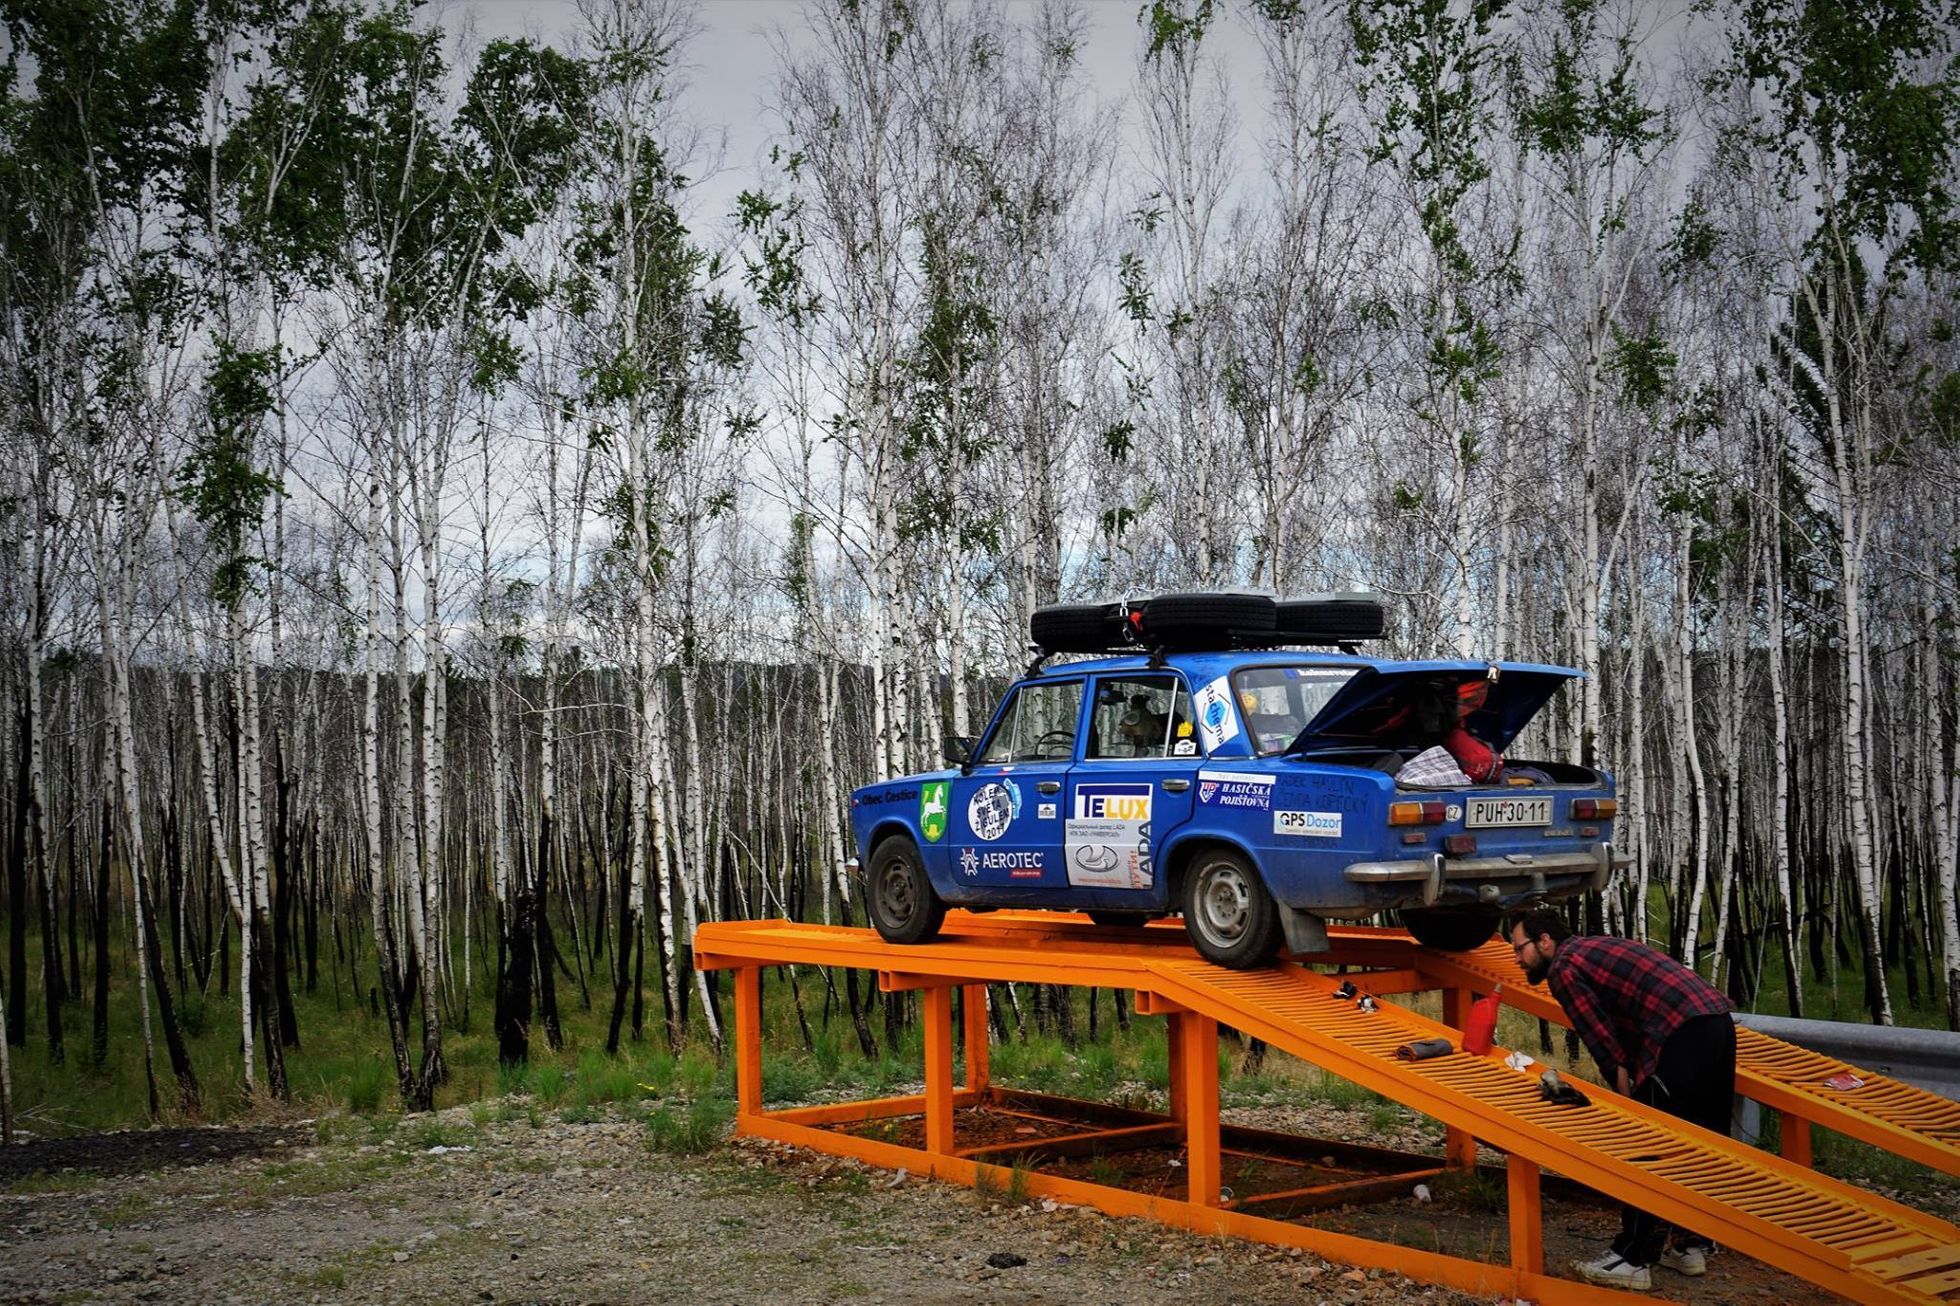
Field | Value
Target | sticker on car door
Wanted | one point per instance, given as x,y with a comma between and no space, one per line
1106,839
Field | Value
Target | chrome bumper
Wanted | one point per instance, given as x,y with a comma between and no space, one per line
1436,871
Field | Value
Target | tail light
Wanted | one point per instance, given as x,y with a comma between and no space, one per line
1595,809
1460,845
1415,813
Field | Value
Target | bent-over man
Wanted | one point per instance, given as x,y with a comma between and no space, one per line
1661,1035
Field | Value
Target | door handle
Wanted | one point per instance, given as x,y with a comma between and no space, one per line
1176,786
1048,787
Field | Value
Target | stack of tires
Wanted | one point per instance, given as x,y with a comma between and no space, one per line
1205,620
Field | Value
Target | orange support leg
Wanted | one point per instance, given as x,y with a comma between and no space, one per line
1795,1132
1458,1146
1527,1215
938,1024
748,1040
978,1072
1194,1080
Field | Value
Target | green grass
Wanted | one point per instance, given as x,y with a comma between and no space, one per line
688,1128
343,1070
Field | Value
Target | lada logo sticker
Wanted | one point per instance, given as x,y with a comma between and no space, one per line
992,809
1095,857
932,810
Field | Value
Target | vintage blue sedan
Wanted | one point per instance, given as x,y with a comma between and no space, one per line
1259,792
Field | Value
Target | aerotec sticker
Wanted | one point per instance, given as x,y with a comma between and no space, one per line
992,809
1308,825
1019,865
932,810
1234,789
1217,722
1106,840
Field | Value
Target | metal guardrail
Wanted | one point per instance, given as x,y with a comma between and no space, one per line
1924,1058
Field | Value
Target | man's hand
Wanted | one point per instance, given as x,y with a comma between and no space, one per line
1622,1082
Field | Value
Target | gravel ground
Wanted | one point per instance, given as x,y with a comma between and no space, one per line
524,1207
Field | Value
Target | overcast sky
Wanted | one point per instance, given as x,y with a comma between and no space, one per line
731,67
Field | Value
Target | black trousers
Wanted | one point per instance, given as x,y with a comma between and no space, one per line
1695,1080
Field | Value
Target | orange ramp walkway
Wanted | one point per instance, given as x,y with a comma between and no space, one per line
1826,1232
1896,1117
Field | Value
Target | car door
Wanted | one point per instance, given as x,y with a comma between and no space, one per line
1005,820
1131,788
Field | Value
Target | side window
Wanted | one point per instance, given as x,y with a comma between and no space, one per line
1279,701
1142,716
1038,725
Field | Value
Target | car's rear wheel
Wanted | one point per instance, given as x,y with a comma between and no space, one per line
1451,929
1231,918
903,906
1134,920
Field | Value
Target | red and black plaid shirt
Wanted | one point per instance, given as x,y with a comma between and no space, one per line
1626,999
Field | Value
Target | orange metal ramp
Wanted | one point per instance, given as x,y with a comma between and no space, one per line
1838,1237
1887,1114
1833,1235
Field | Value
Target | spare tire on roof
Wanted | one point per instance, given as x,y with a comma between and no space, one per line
1331,618
1077,627
1217,618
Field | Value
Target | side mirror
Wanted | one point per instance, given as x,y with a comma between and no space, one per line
958,750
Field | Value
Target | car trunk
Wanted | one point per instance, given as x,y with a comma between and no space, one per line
1382,717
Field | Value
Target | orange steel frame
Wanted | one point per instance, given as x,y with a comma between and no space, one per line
1194,1122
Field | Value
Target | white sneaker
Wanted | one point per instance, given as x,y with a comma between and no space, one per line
1609,1271
1691,1261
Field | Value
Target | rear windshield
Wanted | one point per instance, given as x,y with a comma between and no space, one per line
1277,702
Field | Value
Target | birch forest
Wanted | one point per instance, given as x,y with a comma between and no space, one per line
461,531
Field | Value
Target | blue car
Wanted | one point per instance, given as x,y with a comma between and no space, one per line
1257,789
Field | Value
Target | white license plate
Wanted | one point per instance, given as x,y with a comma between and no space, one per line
1508,811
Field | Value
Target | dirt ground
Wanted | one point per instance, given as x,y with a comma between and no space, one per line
520,1206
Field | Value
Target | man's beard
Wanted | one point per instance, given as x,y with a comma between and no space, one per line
1540,967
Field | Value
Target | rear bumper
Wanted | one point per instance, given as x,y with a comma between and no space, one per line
1496,880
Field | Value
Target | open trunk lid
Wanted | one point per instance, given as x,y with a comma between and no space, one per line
1412,704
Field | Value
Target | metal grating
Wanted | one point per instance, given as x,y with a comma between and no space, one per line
1855,1243
1765,1207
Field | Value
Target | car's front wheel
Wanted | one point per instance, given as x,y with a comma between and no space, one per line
903,906
1231,918
1451,929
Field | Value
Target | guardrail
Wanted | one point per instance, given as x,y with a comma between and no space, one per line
1924,1058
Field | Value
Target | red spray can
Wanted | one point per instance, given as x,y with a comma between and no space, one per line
1480,1030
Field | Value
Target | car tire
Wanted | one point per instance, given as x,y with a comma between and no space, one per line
1451,929
900,899
1127,920
1330,619
1230,916
1077,627
1214,619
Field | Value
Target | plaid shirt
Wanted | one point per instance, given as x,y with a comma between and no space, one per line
1627,999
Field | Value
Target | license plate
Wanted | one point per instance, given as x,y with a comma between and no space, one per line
1508,811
